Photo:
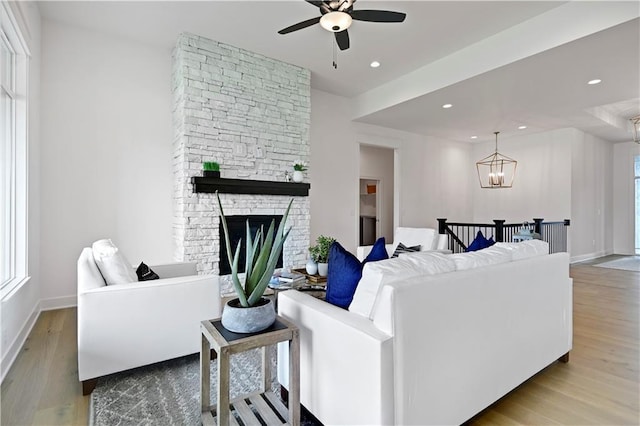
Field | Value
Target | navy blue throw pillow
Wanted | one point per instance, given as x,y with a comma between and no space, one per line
480,242
345,270
378,251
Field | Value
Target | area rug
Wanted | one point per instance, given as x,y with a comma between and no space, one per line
629,263
168,393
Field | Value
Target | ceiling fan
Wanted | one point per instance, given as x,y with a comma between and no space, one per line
337,15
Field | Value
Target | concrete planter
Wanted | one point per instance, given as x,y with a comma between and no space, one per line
248,320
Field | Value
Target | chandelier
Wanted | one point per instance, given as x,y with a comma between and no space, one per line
635,121
496,170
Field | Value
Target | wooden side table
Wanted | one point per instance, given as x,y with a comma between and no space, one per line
264,402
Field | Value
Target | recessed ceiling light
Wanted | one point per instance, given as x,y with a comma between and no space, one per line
594,81
522,127
375,64
474,137
445,106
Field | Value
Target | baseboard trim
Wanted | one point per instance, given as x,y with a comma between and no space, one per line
16,346
58,303
590,256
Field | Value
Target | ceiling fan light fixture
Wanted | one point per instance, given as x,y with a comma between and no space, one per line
336,21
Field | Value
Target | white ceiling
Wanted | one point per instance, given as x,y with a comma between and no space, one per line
544,91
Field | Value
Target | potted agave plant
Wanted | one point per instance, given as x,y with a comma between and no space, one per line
250,312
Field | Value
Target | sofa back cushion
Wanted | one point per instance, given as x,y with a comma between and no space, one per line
113,266
376,274
485,257
526,249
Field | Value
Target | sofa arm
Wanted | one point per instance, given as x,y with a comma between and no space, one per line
346,363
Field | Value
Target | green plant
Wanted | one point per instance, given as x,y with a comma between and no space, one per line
299,166
211,166
320,252
261,257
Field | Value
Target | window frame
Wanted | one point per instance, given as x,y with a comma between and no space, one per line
16,201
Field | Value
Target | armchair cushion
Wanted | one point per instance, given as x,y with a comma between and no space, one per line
423,237
113,266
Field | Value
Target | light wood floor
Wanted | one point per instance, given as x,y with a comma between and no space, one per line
600,384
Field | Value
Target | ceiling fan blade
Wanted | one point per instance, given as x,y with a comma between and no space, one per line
342,38
300,25
316,3
378,15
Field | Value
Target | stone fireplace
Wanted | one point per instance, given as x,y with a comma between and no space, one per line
251,114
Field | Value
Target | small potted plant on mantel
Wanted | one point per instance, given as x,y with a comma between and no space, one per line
250,312
299,166
320,253
211,169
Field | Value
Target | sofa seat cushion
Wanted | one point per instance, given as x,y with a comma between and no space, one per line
112,264
408,265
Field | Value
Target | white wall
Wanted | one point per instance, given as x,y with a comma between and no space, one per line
591,197
624,197
333,170
562,174
19,311
542,185
427,172
106,151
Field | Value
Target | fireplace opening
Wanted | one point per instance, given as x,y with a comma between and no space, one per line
237,232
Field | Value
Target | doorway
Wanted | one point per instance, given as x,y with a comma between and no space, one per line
376,204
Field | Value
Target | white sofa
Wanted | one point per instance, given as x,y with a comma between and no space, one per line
129,325
437,349
427,238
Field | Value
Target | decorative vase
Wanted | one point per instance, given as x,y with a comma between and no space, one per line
297,176
211,173
248,320
323,269
312,267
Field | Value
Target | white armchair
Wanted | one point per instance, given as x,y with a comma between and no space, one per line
129,325
427,238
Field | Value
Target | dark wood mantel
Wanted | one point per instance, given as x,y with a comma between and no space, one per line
245,186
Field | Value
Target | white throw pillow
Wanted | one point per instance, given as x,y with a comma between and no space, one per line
113,266
408,265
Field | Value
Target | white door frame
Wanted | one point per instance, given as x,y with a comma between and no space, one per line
389,143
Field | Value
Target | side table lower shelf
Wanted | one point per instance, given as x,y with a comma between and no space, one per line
267,405
262,407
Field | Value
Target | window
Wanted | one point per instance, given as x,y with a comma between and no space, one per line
14,76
